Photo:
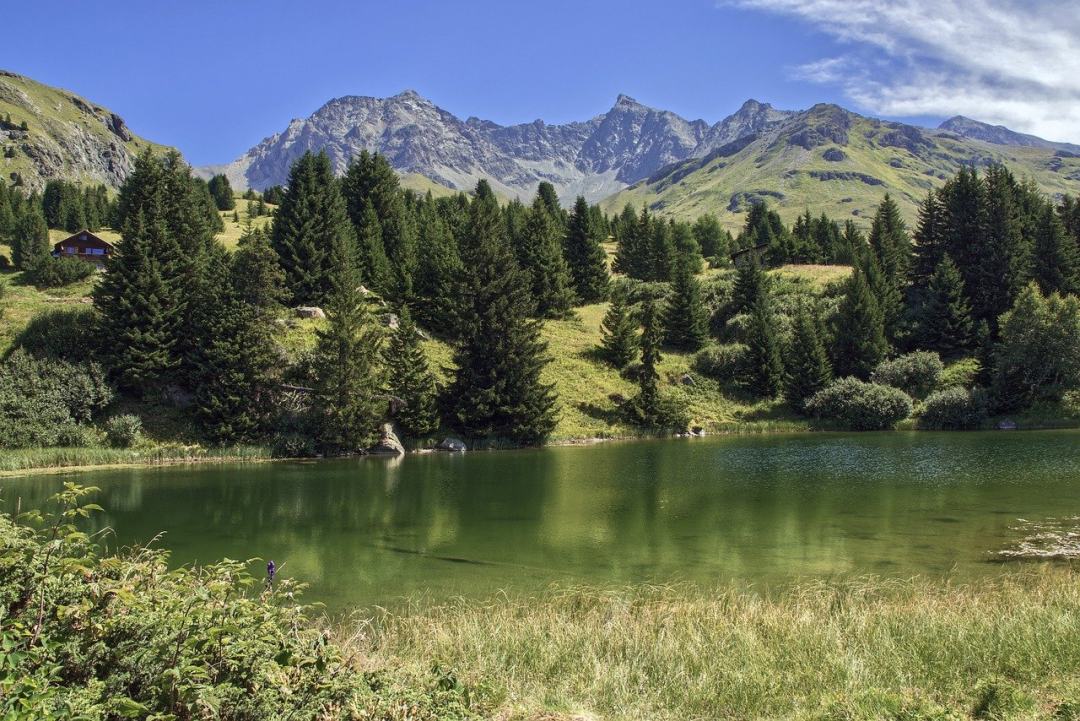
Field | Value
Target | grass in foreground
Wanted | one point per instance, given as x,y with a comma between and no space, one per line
1000,648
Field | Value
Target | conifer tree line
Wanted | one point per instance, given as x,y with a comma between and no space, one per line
179,317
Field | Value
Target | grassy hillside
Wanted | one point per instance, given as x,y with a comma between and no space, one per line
830,159
67,136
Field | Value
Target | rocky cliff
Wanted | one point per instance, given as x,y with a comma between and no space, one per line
53,133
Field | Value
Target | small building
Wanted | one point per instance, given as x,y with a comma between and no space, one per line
756,254
84,245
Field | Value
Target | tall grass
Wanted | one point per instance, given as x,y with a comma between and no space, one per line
25,459
1000,648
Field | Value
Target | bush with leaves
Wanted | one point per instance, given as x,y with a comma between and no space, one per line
725,363
40,399
916,373
58,272
61,334
853,404
89,634
124,430
953,409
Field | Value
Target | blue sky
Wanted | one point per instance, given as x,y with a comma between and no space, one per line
214,78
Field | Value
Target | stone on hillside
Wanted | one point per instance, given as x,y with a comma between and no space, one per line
388,443
834,155
309,311
455,445
390,320
687,380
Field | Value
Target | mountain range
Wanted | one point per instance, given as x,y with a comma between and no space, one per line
824,158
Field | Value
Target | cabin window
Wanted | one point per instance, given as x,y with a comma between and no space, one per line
96,251
69,249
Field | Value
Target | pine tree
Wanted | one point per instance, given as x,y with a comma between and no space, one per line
140,317
348,399
891,244
647,403
257,277
685,322
371,178
544,262
618,331
750,284
438,269
310,223
714,241
890,300
585,255
234,370
661,263
1001,265
222,193
546,192
7,213
410,379
1056,257
808,369
633,254
859,343
374,265
930,240
497,390
944,316
764,365
30,239
686,247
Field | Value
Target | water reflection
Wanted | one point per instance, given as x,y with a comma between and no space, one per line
762,509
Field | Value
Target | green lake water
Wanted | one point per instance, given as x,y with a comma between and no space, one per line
766,509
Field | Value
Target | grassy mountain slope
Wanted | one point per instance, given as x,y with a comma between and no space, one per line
828,158
67,136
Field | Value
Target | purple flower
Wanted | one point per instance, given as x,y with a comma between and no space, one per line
271,569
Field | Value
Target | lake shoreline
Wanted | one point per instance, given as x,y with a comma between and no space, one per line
262,454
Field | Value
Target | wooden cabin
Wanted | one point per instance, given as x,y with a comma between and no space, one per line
84,245
758,254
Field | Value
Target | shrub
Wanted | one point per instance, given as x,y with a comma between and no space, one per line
963,373
860,406
39,397
916,373
60,333
89,634
75,435
58,272
953,409
670,414
723,363
124,430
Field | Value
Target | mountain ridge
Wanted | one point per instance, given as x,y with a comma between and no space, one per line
66,136
609,156
593,157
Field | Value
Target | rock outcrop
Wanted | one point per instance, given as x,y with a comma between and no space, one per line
66,137
388,443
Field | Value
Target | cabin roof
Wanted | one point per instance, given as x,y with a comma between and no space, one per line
84,237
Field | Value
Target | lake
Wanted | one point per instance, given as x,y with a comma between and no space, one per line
762,509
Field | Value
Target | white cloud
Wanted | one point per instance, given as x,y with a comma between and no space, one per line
1012,62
